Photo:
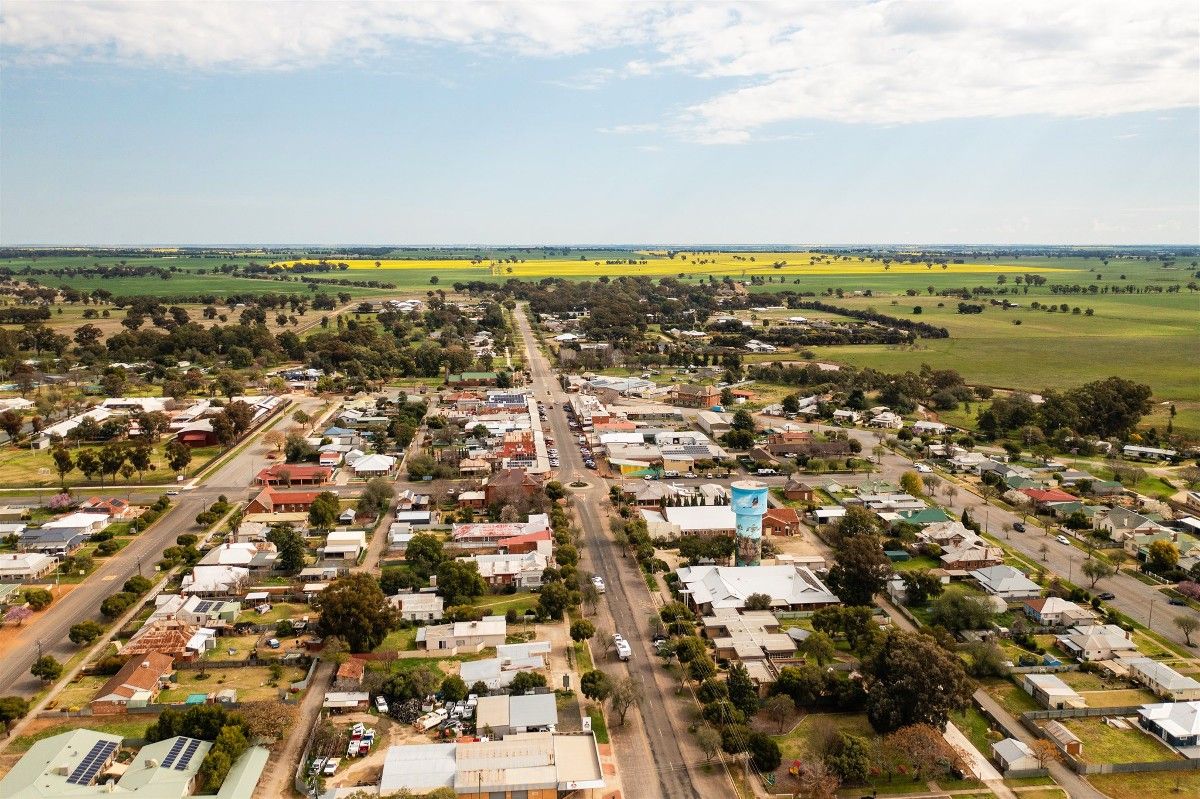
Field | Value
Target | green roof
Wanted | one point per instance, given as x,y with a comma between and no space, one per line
926,516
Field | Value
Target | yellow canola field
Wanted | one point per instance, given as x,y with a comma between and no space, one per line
658,265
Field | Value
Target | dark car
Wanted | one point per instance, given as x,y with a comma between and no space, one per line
1108,596
1176,601
1019,527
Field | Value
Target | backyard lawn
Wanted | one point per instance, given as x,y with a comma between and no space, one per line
252,684
399,641
1105,744
278,612
1011,696
239,644
79,692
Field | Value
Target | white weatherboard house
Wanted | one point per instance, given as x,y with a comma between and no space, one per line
1006,582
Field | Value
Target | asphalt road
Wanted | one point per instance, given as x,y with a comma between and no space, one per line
48,634
628,603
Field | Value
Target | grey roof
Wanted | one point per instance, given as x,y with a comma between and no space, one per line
532,710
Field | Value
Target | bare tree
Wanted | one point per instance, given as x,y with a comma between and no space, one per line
626,693
1187,625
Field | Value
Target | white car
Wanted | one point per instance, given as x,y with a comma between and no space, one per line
381,704
624,651
598,581
1062,539
924,469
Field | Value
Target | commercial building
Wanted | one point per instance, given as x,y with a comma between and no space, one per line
516,714
790,587
539,765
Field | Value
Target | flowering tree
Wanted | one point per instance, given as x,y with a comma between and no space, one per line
17,615
60,501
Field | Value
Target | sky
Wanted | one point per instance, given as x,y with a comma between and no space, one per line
893,121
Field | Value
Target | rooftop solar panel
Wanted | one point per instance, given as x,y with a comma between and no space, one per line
90,766
186,757
176,748
204,606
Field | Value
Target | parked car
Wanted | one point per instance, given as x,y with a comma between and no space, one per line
598,581
1019,527
381,704
1108,596
1176,601
274,643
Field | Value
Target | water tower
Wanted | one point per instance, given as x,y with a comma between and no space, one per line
749,504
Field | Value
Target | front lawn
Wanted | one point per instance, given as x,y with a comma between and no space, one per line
278,612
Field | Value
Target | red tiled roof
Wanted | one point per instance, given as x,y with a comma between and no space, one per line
540,535
298,471
1048,495
352,669
783,515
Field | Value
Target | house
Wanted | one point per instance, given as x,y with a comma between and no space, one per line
85,524
1121,523
846,416
373,466
1051,692
165,636
25,566
399,534
545,765
270,500
790,587
1096,642
1163,680
82,762
1014,755
1177,723
537,541
215,580
1148,453
510,660
747,634
781,521
1041,497
257,556
463,636
55,541
971,556
796,491
886,420
136,684
1053,611
475,500
469,467
347,516
490,534
690,395
929,428
510,482
517,714
423,606
523,571
350,674
1006,583
293,474
116,509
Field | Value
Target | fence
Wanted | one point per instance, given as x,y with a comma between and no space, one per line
1083,767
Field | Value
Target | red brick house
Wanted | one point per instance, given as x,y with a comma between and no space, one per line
522,544
781,521
507,481
693,396
293,474
271,501
798,492
117,509
136,685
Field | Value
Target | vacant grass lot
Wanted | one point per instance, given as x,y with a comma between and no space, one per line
35,468
1145,786
253,684
1105,744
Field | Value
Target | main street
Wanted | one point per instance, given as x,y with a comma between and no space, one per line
655,762
47,632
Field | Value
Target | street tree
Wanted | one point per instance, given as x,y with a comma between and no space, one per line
46,668
709,741
1096,570
1187,625
626,693
582,630
596,685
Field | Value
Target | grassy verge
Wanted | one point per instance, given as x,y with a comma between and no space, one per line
599,728
1144,785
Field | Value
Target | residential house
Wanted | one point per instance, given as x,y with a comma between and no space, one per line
781,521
846,416
924,428
475,500
53,541
522,571
490,534
690,395
165,636
1163,680
423,606
463,636
971,556
293,474
344,545
506,715
1051,692
215,580
886,420
350,674
373,466
136,684
1043,497
25,566
258,556
116,509
1177,723
85,524
271,500
747,635
537,541
1148,453
1096,642
1014,755
1006,583
790,587
1053,611
796,491
1122,523
507,483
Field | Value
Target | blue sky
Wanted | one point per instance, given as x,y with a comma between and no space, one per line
527,123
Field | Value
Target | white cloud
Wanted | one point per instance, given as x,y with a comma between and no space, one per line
886,62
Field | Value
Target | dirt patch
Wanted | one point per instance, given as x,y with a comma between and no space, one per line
13,636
